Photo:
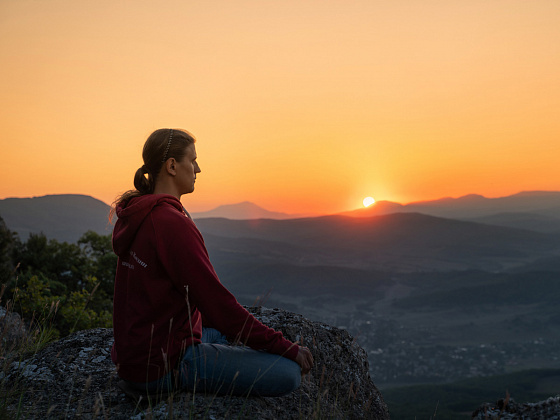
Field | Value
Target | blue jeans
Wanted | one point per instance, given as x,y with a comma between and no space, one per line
214,366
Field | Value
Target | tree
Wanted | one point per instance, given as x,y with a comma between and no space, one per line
69,286
99,251
59,261
8,242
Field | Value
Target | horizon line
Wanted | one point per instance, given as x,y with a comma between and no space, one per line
305,214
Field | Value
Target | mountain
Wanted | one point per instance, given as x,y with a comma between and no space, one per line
530,221
400,242
67,217
243,211
534,210
539,202
62,217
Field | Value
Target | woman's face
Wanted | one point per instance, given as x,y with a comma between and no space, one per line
187,169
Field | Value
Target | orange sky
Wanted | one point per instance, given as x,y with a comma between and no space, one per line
298,106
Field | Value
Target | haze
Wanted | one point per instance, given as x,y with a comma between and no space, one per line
297,106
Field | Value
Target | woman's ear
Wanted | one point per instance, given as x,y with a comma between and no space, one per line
170,166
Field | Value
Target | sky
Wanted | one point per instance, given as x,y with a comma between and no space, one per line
300,106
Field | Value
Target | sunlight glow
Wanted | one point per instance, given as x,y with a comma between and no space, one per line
265,91
368,201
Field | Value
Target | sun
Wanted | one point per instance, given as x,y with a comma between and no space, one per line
368,201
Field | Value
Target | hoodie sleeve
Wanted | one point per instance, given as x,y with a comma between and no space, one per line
184,256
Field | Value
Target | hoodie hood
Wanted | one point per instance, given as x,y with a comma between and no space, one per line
132,214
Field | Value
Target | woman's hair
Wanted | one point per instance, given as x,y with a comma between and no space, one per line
162,144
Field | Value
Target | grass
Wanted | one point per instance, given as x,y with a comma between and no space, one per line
18,343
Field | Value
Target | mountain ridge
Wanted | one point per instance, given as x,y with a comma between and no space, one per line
534,204
399,241
66,217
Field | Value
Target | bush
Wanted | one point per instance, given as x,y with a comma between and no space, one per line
68,287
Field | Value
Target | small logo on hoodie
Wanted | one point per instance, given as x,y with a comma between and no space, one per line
127,264
138,260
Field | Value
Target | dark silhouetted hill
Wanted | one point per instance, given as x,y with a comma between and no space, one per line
530,221
62,217
397,242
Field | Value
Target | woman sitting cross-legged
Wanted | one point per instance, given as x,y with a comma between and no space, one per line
175,325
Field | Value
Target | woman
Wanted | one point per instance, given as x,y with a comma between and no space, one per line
173,320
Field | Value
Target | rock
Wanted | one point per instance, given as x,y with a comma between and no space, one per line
75,378
510,410
12,330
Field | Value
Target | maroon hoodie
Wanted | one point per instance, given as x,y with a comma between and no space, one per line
165,285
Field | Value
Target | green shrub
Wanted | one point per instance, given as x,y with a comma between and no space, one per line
67,287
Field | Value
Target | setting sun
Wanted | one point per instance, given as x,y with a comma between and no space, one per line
368,201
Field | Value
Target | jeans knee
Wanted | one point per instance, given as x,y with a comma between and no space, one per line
296,380
292,378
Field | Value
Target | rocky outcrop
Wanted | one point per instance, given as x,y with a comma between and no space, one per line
75,378
510,410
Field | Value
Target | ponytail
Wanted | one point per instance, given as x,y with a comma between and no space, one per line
142,184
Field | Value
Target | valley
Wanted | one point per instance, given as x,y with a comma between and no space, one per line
434,343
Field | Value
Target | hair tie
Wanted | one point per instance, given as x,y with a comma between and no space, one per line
168,144
144,169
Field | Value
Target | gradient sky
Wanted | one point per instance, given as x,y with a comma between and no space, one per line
298,106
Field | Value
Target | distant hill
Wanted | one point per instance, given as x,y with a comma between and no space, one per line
530,221
243,211
67,217
534,210
62,217
397,242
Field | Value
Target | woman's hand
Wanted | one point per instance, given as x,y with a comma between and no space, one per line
305,360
